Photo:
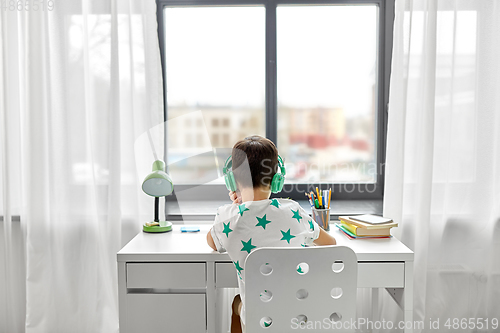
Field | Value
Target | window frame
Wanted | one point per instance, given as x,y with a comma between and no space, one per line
350,191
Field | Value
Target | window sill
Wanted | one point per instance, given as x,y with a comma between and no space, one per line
204,210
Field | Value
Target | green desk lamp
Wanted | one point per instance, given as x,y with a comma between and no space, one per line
157,184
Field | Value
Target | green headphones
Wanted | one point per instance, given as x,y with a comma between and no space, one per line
276,183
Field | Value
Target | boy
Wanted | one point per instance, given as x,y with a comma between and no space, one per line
253,220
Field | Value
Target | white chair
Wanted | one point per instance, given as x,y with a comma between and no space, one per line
288,287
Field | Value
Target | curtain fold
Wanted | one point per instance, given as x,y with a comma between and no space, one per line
80,84
443,154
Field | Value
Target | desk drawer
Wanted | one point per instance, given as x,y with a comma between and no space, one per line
381,275
160,313
225,275
164,275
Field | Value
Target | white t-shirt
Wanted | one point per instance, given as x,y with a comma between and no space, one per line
239,229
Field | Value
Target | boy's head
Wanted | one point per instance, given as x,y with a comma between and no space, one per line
262,157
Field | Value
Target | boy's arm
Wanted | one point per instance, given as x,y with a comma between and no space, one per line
210,240
324,238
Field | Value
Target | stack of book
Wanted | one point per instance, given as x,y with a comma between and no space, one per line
366,226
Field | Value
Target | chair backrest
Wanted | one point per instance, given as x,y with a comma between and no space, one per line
289,288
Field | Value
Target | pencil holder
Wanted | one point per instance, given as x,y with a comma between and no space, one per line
322,217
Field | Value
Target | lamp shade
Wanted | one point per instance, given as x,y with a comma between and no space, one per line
158,183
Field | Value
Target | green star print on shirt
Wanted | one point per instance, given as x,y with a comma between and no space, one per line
247,246
275,203
237,265
242,209
227,230
286,236
311,225
296,215
262,221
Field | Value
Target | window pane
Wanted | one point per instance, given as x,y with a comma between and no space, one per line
215,63
327,92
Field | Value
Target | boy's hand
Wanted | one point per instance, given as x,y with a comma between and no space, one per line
325,238
235,197
210,240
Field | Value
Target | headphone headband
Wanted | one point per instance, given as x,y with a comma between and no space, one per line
227,165
281,165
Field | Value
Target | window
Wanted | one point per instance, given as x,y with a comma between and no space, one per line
326,125
214,63
312,77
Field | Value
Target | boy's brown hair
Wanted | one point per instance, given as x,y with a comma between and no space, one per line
262,158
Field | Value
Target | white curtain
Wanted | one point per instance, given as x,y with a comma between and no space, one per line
80,81
443,156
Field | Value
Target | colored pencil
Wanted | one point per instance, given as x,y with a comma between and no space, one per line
329,197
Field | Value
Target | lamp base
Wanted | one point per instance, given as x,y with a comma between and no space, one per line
164,226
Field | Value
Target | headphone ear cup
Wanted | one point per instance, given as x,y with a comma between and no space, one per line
230,181
277,183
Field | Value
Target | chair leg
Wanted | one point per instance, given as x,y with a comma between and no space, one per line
235,316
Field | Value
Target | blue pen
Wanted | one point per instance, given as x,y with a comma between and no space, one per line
190,229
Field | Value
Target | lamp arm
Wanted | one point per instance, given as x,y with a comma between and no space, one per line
157,204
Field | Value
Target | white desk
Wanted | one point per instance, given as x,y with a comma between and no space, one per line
167,282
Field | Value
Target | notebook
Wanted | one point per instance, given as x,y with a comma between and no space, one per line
372,219
350,235
359,231
368,225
